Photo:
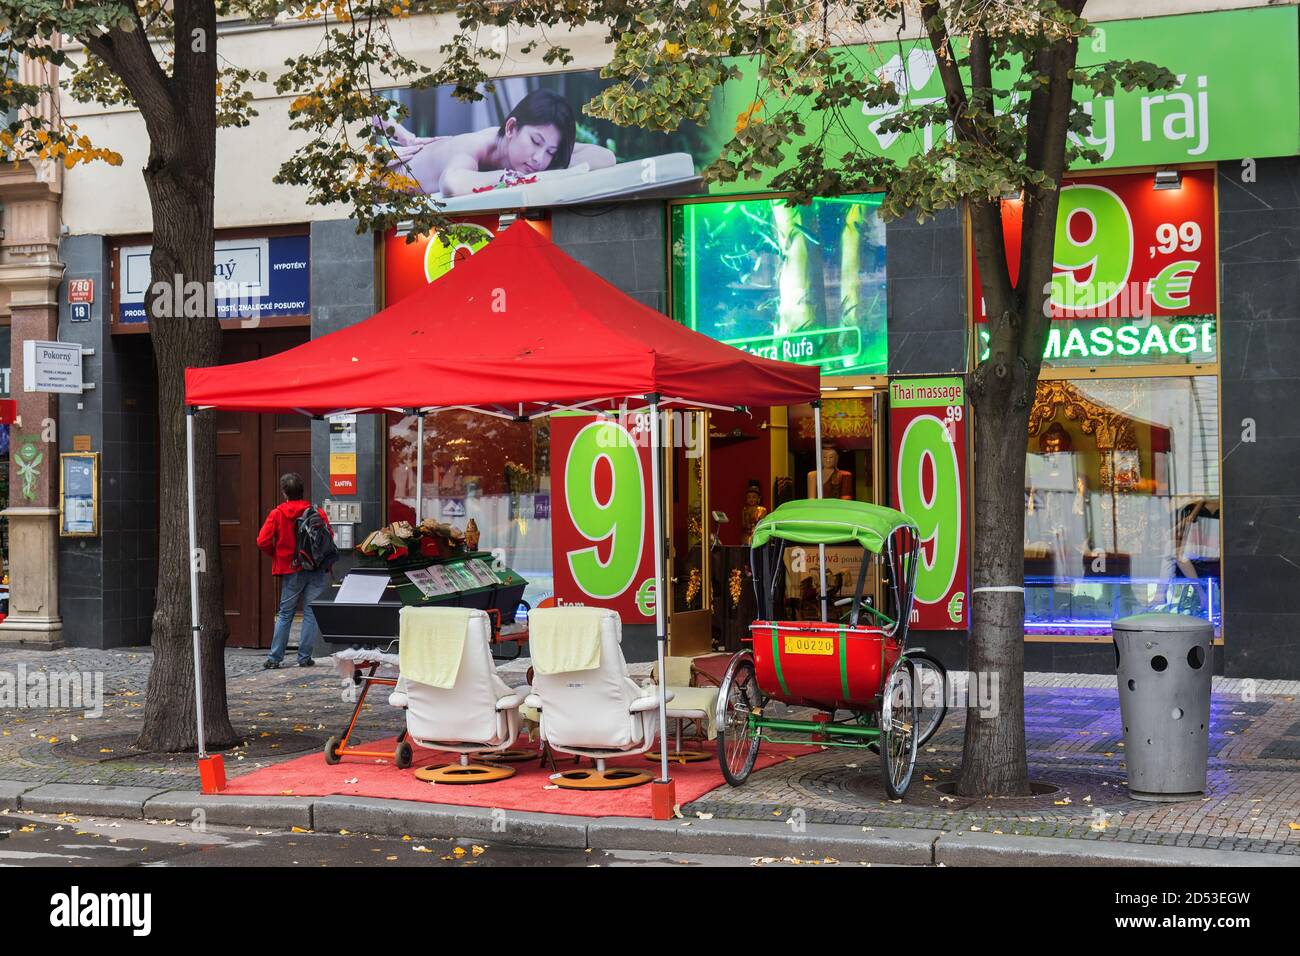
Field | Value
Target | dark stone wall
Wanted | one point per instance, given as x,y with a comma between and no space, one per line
926,275
343,293
107,583
1259,254
624,244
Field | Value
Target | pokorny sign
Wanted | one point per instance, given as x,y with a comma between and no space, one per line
52,367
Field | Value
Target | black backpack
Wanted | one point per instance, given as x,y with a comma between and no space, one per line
314,546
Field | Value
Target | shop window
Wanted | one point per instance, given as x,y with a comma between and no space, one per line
848,466
485,469
802,284
1121,502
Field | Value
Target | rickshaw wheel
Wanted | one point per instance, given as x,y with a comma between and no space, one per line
898,726
928,672
738,696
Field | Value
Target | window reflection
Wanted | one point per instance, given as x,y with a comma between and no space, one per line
481,468
1121,502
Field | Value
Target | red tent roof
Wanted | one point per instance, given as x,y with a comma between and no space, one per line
518,322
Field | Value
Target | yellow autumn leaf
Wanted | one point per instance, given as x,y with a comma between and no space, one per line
750,115
301,830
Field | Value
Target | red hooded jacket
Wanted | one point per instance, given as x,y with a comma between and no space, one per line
279,535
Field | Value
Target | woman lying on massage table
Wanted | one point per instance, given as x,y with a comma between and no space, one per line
538,136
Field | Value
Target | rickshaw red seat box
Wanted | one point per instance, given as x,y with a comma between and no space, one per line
824,665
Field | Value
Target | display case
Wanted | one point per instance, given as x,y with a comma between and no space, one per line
364,608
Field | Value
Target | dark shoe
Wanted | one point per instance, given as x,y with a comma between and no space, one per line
308,662
271,665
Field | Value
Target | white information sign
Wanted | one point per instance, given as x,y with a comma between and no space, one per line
52,367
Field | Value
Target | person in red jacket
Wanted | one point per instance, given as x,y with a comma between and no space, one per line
278,538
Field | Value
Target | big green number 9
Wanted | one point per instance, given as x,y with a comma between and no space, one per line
1106,249
939,517
620,520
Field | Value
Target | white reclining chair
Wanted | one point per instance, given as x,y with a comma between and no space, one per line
478,714
598,712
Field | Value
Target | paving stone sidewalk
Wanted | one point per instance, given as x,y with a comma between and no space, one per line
1073,730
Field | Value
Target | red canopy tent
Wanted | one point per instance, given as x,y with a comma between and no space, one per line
518,330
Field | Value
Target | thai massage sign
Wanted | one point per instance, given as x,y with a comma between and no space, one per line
1128,259
927,436
601,541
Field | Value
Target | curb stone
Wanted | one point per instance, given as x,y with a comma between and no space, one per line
993,849
405,818
11,792
744,838
231,810
764,839
88,799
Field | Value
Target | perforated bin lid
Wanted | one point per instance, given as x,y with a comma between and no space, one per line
1162,623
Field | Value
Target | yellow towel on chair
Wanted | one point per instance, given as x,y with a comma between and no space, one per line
432,639
563,639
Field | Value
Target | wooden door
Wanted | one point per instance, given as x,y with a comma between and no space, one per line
250,449
286,447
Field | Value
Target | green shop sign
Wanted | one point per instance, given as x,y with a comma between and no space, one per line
1238,94
1154,341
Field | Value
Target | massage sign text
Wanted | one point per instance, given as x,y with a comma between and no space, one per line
927,436
601,539
1134,275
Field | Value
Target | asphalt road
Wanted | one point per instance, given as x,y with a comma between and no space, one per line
44,840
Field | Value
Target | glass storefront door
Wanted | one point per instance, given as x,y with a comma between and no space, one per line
686,487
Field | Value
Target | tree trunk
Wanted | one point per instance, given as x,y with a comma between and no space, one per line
180,117
993,760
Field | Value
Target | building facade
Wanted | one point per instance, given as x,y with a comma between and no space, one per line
1156,459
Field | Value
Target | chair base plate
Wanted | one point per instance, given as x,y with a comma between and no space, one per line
681,756
513,755
459,773
613,778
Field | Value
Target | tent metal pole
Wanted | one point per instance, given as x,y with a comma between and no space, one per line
657,523
194,578
419,466
821,548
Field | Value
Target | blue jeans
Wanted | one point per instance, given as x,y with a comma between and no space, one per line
308,585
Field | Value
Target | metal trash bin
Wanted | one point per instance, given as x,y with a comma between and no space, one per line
1163,664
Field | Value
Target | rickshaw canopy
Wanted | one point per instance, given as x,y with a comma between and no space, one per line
831,521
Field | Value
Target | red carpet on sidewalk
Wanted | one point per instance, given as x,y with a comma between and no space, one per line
529,789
